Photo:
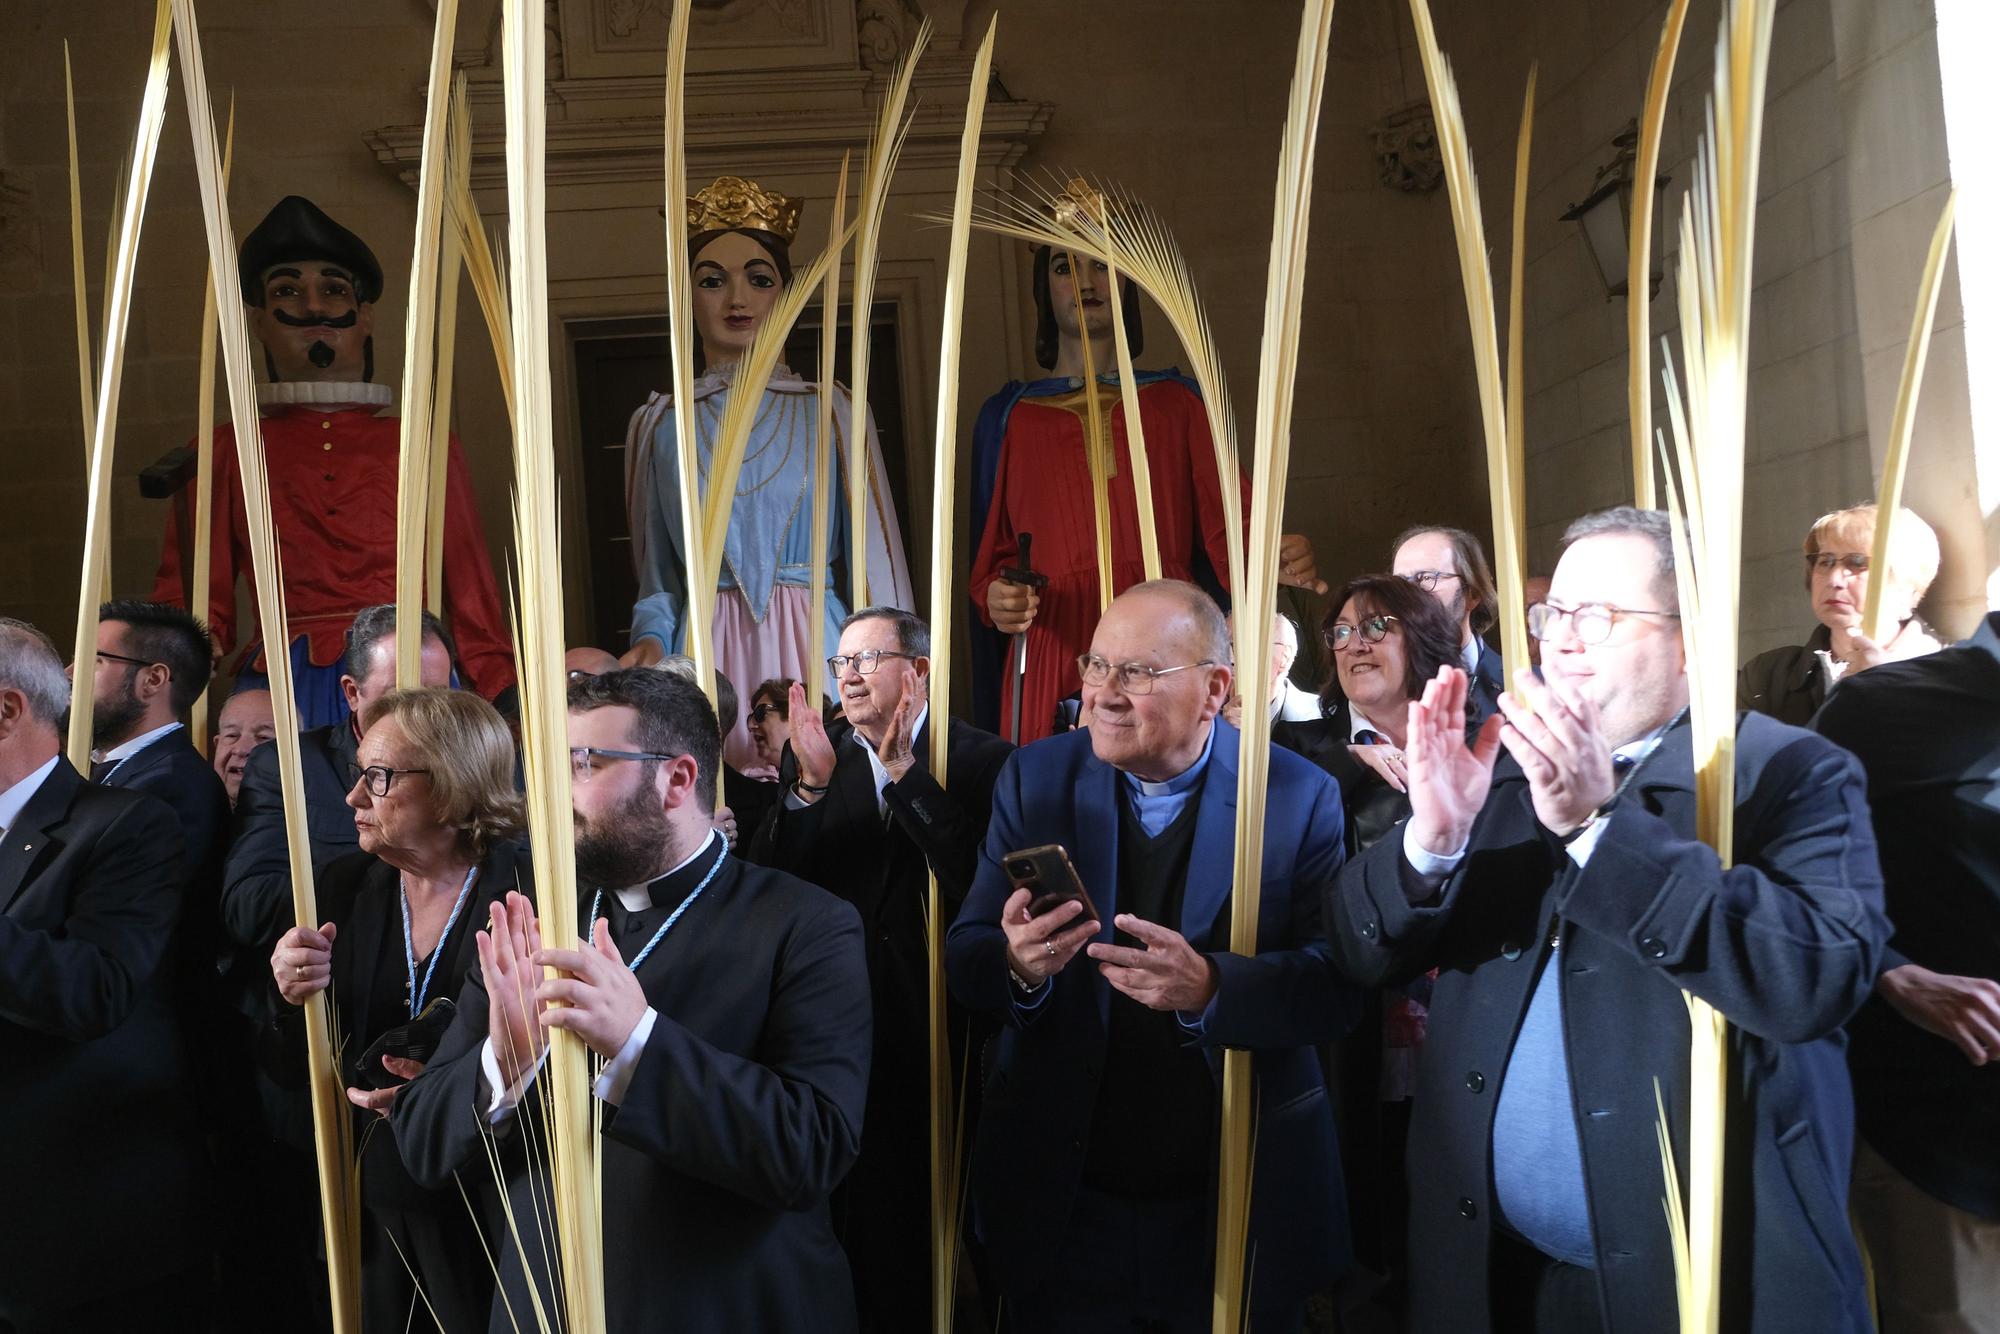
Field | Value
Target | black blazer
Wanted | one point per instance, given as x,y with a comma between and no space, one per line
1372,806
172,770
1927,733
257,879
358,894
99,1146
1785,944
743,1114
841,844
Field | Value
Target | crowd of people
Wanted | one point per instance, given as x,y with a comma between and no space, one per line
1480,905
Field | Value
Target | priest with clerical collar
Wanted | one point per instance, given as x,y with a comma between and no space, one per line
309,288
729,1004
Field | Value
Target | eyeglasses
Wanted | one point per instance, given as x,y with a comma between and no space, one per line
377,776
1426,579
1590,622
865,662
150,662
1373,629
583,759
763,711
1826,562
1134,678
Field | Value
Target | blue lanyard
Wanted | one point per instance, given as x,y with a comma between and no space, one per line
415,993
597,901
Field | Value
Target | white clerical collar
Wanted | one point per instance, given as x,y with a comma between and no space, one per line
331,395
16,798
638,898
1181,781
125,750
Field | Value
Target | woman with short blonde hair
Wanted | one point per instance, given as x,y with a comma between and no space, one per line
1790,683
438,816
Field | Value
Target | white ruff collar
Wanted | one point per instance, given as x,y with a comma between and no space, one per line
320,394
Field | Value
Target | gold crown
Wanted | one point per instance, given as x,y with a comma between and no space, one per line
733,202
1079,196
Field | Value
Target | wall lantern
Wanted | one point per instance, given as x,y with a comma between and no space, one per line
1605,215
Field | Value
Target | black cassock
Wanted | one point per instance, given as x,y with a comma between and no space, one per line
742,1115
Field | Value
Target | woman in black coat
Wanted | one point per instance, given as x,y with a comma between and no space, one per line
436,810
1387,638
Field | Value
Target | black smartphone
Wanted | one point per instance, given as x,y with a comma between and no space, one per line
415,1041
1047,873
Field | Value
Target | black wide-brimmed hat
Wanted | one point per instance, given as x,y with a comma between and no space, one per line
298,229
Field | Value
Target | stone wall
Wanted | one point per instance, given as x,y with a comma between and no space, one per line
1181,101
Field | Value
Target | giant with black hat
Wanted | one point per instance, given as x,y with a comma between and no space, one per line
311,284
309,292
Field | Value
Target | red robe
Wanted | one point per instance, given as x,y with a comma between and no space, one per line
1042,487
333,502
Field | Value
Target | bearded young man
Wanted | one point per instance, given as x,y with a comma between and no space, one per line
730,1006
310,287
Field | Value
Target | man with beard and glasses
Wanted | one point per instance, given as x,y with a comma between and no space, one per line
153,663
310,287
1449,564
730,1006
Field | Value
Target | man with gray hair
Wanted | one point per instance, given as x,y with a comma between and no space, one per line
97,1109
1093,1182
863,816
1563,895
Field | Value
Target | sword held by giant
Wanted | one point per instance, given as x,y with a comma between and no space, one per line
1025,575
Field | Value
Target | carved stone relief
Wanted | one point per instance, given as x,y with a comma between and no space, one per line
1405,142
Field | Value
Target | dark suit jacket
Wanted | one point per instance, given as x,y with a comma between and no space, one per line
1279,1003
99,1147
358,894
1787,682
742,1116
841,844
257,880
1371,806
1487,682
172,770
1786,945
1927,733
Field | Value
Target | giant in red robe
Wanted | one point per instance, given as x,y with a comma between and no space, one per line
333,505
1041,486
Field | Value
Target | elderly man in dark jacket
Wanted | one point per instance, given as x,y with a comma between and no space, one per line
1567,903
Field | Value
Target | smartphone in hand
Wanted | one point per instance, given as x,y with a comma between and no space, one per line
1048,875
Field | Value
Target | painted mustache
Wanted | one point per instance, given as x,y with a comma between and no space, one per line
328,321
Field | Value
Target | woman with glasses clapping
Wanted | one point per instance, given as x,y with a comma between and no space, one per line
1386,638
438,815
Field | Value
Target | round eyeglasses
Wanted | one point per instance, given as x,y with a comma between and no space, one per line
1590,622
1372,629
1134,678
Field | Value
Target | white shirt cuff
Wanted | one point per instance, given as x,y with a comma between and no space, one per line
1427,864
504,1099
616,1076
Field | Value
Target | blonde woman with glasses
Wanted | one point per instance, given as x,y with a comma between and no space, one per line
438,818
